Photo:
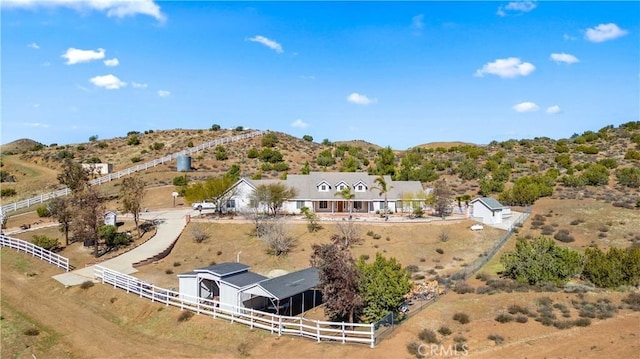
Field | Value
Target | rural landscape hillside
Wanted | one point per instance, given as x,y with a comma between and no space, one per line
582,191
587,164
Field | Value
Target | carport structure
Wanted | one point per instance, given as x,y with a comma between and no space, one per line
293,293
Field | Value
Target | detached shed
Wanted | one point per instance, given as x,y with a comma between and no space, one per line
489,211
235,287
291,293
110,218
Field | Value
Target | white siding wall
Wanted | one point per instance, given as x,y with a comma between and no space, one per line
189,286
488,217
228,295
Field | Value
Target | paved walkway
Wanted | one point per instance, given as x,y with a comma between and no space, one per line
171,224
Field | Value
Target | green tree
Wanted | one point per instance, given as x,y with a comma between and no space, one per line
233,173
306,168
221,153
325,159
216,189
307,138
88,215
131,196
383,285
468,170
385,162
73,175
541,261
273,195
350,164
215,127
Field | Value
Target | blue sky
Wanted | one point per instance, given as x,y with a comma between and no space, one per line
395,74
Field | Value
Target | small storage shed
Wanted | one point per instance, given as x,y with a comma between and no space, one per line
110,218
488,210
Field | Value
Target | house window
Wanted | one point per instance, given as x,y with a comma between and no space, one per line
299,204
340,187
231,204
323,187
357,205
324,205
360,187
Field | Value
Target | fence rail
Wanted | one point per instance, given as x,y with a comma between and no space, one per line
35,251
277,324
116,175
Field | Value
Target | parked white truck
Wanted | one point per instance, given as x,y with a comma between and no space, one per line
203,205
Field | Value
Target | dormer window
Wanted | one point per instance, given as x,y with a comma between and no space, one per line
323,186
360,186
340,186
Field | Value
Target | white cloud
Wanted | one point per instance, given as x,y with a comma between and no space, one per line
554,110
506,68
33,45
139,85
566,58
108,82
268,43
359,99
112,62
604,32
417,22
516,7
164,93
299,124
526,107
113,8
76,56
568,37
36,124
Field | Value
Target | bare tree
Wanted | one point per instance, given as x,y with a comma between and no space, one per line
277,237
443,198
88,216
339,281
348,234
199,234
73,175
131,195
62,209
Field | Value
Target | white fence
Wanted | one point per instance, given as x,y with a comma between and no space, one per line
35,251
276,324
116,175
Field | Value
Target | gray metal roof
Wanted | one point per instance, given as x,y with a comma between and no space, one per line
291,284
490,203
224,269
242,280
306,186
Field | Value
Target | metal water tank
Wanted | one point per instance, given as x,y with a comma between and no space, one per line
184,163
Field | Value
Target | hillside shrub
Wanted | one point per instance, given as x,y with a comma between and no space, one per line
45,242
463,288
185,315
43,211
462,318
504,318
86,284
541,261
629,177
7,192
444,330
614,268
180,181
632,155
564,236
428,336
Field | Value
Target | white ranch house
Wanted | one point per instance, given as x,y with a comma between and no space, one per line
489,211
317,191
